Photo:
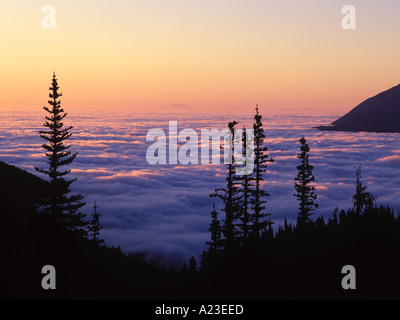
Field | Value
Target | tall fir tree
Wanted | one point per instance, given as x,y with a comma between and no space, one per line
362,199
230,197
245,183
60,205
259,195
305,192
94,227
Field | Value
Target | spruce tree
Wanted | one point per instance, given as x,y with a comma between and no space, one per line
245,183
334,221
342,217
215,245
261,158
60,205
94,227
305,193
268,233
287,226
230,197
362,199
184,269
211,257
192,266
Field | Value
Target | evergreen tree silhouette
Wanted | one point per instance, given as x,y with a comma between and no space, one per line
184,268
261,158
230,197
192,266
215,250
245,182
334,221
362,199
304,192
320,223
60,205
268,233
287,226
342,217
94,227
215,245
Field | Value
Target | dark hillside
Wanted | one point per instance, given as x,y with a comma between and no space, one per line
380,113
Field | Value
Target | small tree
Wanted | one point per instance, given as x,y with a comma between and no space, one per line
216,246
192,266
95,227
60,205
184,269
215,229
362,199
305,193
334,221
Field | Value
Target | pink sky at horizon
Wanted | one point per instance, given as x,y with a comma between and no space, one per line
198,56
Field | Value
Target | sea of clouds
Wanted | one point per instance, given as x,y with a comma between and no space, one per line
164,210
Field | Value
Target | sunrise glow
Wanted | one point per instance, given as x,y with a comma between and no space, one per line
198,56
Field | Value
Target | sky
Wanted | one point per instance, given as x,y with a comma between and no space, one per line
198,56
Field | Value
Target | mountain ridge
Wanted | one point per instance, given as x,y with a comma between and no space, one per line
380,113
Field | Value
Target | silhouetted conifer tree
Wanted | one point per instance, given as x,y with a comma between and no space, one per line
245,183
184,268
60,205
320,223
362,199
216,245
192,266
230,197
342,217
287,226
261,159
305,193
268,233
94,227
334,221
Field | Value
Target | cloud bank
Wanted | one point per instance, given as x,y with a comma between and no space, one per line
164,210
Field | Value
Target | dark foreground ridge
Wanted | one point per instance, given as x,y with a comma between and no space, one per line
380,113
291,263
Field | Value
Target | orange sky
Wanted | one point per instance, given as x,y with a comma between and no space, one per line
205,55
